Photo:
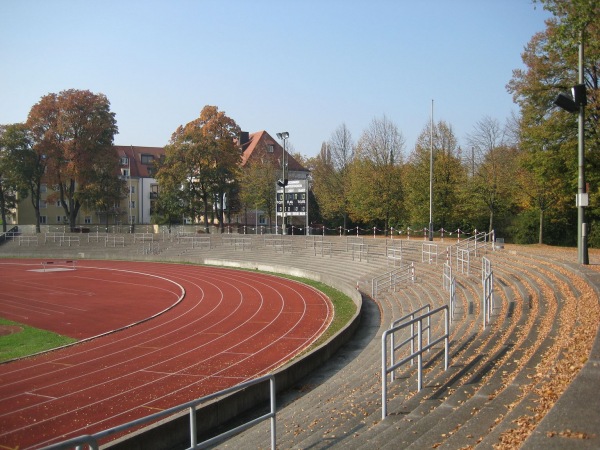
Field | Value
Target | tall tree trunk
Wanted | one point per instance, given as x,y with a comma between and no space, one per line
541,230
3,207
205,201
221,211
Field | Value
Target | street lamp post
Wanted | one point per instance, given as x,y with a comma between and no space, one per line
284,135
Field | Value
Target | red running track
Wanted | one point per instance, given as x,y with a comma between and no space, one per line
230,326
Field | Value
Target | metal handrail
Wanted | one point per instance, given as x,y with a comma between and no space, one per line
487,279
385,369
392,278
92,441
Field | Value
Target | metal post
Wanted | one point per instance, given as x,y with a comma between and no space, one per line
446,339
581,188
419,356
431,179
193,432
283,229
383,376
273,417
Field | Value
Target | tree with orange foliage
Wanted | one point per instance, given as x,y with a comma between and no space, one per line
74,130
202,163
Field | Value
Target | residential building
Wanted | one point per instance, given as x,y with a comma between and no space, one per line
136,168
263,147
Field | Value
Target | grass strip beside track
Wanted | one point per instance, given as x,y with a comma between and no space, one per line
28,341
343,307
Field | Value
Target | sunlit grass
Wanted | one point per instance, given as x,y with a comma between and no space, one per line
28,341
343,306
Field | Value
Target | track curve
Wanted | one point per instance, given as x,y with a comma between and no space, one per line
230,326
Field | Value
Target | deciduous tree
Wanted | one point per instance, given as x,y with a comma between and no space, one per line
548,134
202,162
74,131
494,181
26,166
449,178
331,175
376,190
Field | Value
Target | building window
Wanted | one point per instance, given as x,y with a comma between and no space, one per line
262,219
87,220
43,203
270,148
43,188
43,220
58,219
147,159
153,191
132,189
58,203
132,204
125,172
124,161
132,219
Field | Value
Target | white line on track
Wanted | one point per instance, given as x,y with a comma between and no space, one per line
189,277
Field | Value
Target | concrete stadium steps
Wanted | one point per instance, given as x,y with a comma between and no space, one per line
495,375
456,408
466,418
466,398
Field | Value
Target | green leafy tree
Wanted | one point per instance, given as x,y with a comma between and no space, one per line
330,175
258,186
225,157
74,130
169,207
23,165
8,182
105,192
375,190
449,179
548,134
494,180
184,173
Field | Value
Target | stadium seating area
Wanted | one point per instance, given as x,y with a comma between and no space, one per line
529,379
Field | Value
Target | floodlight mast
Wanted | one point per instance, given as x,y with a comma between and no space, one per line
573,105
284,135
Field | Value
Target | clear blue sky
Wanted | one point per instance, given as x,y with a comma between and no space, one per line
302,66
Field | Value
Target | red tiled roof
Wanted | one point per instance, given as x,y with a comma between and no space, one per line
257,147
136,155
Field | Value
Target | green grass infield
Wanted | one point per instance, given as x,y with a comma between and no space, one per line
23,340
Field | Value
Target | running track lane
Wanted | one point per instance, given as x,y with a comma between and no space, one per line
231,326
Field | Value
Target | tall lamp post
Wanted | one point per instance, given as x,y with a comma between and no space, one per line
284,180
576,104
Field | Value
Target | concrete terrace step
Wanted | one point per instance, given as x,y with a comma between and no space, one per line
463,423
